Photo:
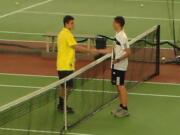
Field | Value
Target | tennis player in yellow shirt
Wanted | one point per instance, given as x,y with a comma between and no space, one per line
67,47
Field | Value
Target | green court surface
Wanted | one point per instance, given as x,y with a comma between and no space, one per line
155,112
29,19
154,109
20,86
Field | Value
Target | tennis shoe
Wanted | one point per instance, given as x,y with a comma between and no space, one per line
122,113
69,109
116,111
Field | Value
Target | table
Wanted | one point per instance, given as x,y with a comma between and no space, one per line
51,40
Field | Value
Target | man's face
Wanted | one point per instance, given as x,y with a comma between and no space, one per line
116,26
70,24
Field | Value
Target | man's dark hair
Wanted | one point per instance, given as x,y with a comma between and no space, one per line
120,20
67,19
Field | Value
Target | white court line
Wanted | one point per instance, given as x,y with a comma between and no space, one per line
21,33
95,91
95,15
40,131
41,41
18,86
29,41
28,75
151,1
154,95
45,76
163,83
40,34
131,93
22,9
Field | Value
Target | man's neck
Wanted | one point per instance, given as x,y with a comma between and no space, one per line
67,28
119,30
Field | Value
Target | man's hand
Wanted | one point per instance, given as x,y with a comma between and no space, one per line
104,51
126,55
81,48
94,51
116,61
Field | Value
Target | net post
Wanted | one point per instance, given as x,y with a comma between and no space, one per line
65,108
158,50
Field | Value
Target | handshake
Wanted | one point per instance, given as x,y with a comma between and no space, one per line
95,51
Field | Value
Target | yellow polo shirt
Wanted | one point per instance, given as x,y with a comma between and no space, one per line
66,51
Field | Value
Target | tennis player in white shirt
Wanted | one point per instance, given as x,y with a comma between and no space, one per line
120,53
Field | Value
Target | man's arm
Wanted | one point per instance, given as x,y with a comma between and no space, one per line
126,55
104,51
81,49
85,49
78,47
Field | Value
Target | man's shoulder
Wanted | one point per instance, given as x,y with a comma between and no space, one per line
61,32
122,37
64,33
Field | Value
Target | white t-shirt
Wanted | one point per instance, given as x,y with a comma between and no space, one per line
119,49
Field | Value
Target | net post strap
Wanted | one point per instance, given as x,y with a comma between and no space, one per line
158,50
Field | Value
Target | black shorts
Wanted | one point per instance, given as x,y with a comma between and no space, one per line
118,77
63,74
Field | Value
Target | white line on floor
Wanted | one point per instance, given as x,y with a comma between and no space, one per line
77,134
23,9
27,41
130,93
95,15
40,131
96,91
40,34
29,75
45,76
152,1
18,86
21,33
163,83
154,95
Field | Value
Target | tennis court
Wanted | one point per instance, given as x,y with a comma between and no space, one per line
92,17
154,108
28,77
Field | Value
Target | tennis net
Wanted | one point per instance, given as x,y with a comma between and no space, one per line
37,113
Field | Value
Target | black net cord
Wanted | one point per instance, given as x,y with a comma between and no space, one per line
171,13
173,25
158,50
